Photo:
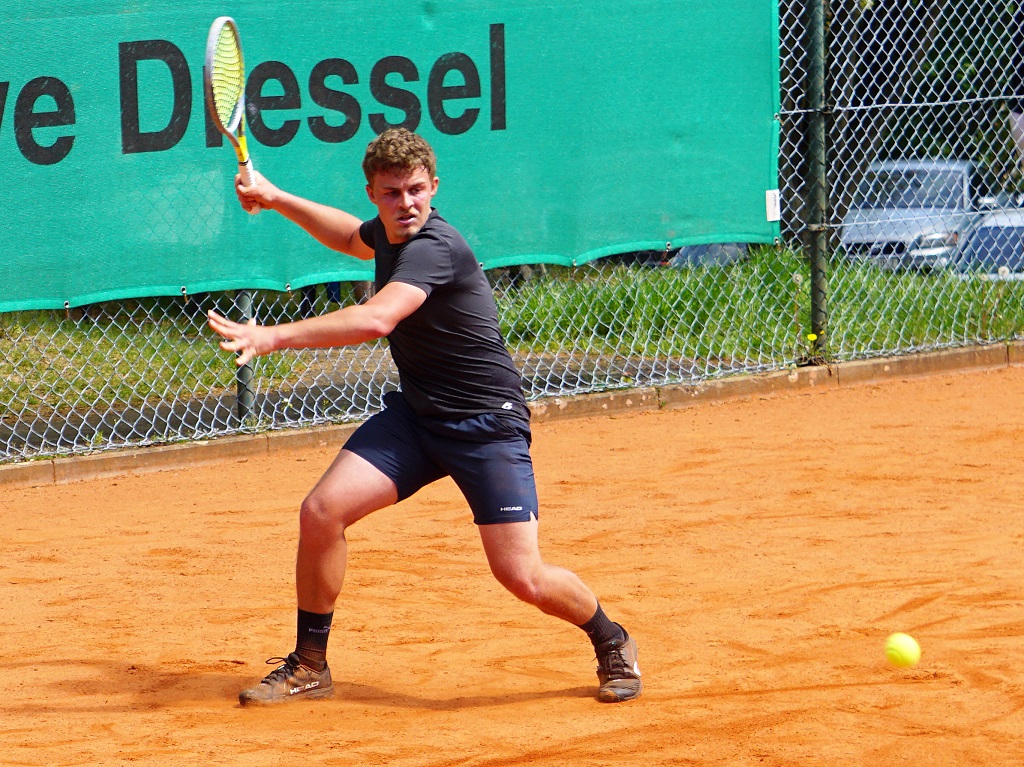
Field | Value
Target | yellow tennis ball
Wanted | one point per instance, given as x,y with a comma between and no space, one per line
902,650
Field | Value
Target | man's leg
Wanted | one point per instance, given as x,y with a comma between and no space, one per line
513,554
348,491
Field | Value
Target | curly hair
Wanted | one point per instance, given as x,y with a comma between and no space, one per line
398,151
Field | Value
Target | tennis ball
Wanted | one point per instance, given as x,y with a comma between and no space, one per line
902,650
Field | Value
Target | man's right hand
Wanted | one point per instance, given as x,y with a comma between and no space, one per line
260,196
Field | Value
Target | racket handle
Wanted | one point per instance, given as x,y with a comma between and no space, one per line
248,179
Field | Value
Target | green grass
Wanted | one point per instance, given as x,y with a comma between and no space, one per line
693,312
151,351
758,308
911,311
141,353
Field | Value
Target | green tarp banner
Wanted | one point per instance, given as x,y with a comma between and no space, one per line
564,132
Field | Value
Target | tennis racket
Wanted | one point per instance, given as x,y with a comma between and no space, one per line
224,83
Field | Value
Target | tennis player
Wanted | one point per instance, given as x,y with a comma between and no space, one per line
460,412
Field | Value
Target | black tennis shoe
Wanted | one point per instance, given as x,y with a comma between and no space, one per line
618,670
289,681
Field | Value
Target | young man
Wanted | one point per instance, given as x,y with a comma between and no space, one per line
460,412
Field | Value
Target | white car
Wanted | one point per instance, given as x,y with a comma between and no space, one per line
910,214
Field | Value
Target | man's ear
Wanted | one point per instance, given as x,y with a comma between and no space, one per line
369,193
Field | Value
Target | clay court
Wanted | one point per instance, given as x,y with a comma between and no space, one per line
760,549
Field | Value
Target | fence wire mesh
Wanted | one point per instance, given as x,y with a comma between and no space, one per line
915,216
922,227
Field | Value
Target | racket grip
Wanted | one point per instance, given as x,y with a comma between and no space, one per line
248,179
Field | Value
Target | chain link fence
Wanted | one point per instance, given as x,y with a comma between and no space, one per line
900,173
900,181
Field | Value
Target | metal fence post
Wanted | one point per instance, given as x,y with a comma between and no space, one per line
245,396
817,173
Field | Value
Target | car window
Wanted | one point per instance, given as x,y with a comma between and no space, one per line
993,246
924,188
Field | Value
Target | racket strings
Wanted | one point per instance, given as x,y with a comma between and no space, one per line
227,77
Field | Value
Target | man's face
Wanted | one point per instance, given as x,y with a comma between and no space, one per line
403,202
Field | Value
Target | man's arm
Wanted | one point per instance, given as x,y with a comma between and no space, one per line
349,325
332,227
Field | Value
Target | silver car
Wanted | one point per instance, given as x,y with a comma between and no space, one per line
910,214
712,254
993,248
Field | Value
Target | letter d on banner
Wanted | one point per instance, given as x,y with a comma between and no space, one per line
133,139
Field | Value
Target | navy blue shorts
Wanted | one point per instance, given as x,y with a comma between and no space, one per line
488,457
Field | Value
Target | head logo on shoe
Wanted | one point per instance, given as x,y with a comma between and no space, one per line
289,681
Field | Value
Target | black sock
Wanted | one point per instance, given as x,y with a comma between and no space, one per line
600,629
311,639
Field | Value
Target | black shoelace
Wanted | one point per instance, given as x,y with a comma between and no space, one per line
280,673
614,662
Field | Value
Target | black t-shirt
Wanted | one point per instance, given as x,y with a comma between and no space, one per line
451,358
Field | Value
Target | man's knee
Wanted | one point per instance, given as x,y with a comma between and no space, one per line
318,516
526,584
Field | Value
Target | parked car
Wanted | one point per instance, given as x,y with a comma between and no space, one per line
646,258
994,246
711,254
909,214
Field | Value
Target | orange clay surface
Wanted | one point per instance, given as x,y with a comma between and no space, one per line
760,550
